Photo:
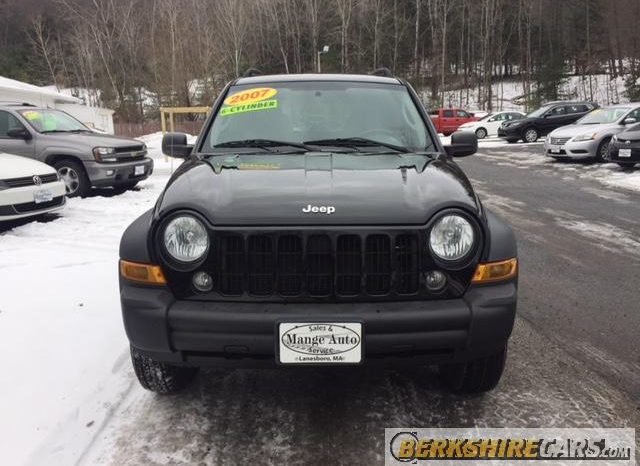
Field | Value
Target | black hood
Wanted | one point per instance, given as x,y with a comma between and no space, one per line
337,189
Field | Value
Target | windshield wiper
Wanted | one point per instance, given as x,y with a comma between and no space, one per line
262,144
354,142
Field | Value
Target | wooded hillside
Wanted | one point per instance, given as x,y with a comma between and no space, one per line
182,52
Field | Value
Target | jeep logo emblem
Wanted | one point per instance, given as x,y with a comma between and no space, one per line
319,209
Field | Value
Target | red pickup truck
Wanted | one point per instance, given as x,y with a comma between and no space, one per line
448,120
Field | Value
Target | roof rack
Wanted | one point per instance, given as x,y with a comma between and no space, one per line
382,71
251,72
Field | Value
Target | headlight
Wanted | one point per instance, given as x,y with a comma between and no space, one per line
186,239
101,154
585,137
452,237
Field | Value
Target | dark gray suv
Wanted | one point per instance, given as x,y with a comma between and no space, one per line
83,158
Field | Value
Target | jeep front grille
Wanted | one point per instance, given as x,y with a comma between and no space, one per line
317,265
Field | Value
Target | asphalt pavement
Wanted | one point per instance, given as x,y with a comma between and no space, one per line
573,361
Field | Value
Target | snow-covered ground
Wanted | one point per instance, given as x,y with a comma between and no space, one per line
609,174
61,334
63,349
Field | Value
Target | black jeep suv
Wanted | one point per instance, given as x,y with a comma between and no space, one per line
318,220
542,121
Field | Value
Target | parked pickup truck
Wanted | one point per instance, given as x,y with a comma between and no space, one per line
448,120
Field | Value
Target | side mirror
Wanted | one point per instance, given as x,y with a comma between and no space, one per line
19,133
175,145
629,121
463,143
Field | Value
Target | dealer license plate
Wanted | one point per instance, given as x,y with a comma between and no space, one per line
42,195
555,149
624,153
139,170
320,343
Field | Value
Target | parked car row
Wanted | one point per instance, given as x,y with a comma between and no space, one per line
53,155
609,133
573,129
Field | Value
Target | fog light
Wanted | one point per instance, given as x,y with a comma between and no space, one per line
202,281
110,172
435,280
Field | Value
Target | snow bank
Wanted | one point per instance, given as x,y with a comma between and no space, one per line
61,333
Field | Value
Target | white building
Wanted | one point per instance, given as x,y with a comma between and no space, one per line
97,118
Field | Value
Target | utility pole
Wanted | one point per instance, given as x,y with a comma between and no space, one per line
324,50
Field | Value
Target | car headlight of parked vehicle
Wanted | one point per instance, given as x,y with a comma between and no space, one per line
185,239
452,238
585,137
104,154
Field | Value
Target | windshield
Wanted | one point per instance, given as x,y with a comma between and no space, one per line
320,112
539,112
603,115
45,121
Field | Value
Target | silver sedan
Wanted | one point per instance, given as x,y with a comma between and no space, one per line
590,136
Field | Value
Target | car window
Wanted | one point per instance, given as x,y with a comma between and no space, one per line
577,109
634,114
603,115
7,123
447,113
44,120
498,117
462,114
538,112
514,116
311,110
558,111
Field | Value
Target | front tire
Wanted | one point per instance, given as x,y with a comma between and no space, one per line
602,154
481,133
159,377
477,376
531,135
74,176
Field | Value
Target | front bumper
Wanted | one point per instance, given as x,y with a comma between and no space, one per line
16,203
510,133
572,149
114,174
202,333
614,155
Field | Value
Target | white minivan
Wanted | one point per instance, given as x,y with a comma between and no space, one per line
28,188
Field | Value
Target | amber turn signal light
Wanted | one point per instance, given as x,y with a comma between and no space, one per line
496,271
142,273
